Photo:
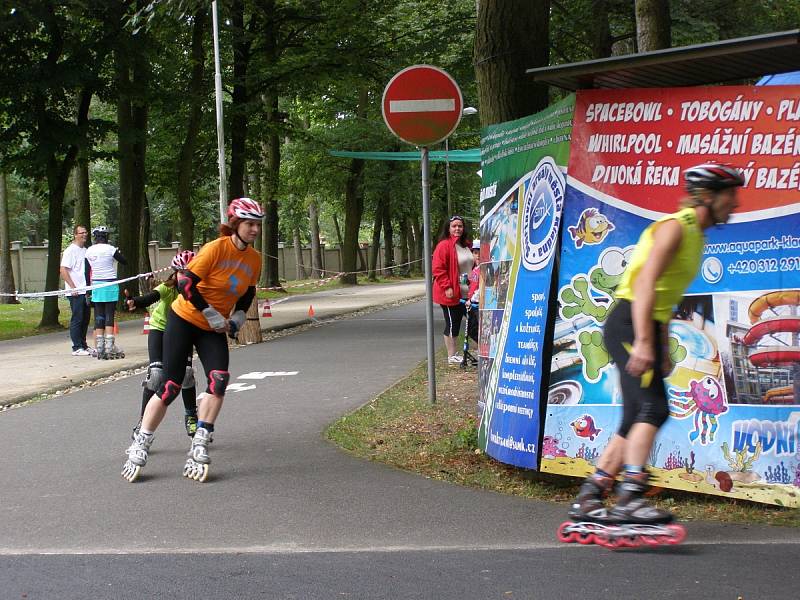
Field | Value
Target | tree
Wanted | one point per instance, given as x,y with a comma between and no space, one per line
6,271
511,36
653,30
53,55
195,97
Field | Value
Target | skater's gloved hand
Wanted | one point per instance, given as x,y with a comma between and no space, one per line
215,320
129,301
235,323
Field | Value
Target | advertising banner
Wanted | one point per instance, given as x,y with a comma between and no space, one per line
735,387
523,164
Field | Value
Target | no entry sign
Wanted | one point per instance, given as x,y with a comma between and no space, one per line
422,105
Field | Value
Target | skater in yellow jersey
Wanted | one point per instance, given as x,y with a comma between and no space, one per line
665,261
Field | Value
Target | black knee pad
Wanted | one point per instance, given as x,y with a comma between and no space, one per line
217,382
169,391
99,322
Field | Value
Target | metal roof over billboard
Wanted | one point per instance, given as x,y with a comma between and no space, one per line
701,64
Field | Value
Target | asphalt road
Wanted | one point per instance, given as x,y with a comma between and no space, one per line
286,515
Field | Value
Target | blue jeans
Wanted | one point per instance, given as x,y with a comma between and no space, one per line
79,322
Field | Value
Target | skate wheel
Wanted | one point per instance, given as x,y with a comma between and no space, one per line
564,535
678,534
585,539
130,472
649,540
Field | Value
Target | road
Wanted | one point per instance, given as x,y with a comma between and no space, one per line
287,515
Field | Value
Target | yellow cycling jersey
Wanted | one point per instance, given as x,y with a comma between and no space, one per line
680,271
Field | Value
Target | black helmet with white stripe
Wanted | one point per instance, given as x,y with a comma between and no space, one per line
712,176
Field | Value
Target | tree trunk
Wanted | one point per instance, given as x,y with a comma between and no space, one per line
126,159
316,247
419,241
195,98
140,113
388,239
271,152
145,266
255,189
239,99
57,178
338,231
600,28
653,25
404,239
511,36
300,270
6,270
353,205
82,197
375,247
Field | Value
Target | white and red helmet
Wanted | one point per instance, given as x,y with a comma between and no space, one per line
244,208
713,176
181,260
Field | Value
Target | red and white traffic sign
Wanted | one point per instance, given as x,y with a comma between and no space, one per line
422,105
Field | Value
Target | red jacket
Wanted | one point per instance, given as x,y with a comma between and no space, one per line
444,268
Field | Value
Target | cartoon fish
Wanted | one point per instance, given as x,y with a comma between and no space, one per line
584,427
592,228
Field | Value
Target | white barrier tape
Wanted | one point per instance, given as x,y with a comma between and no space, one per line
84,289
299,285
336,276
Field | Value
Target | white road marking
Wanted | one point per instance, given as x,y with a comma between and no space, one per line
264,374
240,387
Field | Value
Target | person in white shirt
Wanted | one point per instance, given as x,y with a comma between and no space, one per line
73,272
103,258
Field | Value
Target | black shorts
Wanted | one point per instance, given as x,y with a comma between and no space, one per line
639,404
180,336
452,319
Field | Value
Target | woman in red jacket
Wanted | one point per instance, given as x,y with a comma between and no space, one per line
450,265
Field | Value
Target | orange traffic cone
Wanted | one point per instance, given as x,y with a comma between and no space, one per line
310,311
266,311
146,328
116,328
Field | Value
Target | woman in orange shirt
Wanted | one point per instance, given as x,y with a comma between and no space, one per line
215,292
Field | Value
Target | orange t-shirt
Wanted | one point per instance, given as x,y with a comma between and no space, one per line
225,273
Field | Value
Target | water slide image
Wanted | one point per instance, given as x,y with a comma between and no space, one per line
773,338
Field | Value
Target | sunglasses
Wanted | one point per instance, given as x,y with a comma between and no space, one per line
457,218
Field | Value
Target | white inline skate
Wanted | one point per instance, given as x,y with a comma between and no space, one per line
137,456
196,466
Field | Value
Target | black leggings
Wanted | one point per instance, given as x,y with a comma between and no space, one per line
104,314
179,337
452,319
639,404
155,352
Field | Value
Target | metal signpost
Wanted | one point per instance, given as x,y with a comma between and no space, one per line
422,106
223,180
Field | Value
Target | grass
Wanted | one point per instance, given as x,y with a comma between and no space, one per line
439,441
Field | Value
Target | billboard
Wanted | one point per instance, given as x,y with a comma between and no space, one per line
522,197
734,393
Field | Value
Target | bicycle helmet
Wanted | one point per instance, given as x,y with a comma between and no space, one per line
181,260
100,233
244,208
712,176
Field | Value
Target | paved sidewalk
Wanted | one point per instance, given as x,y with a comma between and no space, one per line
43,363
